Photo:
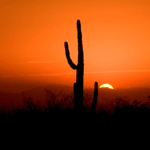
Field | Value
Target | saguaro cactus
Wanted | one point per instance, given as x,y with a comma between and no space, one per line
78,86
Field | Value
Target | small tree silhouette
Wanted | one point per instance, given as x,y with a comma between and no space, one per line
52,99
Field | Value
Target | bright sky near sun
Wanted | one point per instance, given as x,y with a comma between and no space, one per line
116,41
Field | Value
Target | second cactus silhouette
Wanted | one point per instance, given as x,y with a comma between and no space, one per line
78,86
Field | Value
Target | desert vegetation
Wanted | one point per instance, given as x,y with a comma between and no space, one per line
58,118
59,105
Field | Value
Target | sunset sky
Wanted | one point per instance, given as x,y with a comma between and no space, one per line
116,41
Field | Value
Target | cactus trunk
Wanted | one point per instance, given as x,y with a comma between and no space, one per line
80,69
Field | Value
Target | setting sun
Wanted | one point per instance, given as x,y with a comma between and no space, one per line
106,86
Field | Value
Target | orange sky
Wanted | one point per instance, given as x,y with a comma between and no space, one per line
116,41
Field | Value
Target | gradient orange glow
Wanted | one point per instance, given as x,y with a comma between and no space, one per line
116,37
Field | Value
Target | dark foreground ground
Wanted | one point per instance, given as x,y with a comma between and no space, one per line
122,122
57,125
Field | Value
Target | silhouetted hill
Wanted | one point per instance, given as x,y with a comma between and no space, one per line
10,100
130,94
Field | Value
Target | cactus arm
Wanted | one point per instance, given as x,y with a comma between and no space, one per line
72,65
94,103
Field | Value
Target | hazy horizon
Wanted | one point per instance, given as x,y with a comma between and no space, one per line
17,86
14,99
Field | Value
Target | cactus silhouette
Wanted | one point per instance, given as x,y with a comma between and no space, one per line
78,86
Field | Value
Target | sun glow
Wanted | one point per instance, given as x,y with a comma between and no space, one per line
106,86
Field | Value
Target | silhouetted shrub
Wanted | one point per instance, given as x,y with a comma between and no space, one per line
58,113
